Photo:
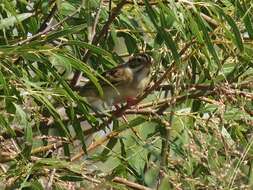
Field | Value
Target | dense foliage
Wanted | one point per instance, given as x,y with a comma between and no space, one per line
191,128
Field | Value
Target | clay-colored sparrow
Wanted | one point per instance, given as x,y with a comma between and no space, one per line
129,80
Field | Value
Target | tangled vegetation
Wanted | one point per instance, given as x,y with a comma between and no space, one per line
190,129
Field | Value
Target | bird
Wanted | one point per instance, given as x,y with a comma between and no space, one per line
128,80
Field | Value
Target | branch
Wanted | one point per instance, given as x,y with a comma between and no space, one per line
9,157
96,144
97,38
194,91
130,184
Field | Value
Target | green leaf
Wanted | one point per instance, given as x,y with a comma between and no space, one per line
5,124
108,148
79,133
170,43
26,151
165,184
24,123
133,123
233,25
64,32
34,185
152,14
52,111
57,164
207,39
247,18
3,83
7,22
130,41
165,35
167,16
79,65
69,177
91,47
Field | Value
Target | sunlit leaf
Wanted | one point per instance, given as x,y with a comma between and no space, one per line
10,21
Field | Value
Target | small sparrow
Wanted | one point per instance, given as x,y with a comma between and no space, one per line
128,80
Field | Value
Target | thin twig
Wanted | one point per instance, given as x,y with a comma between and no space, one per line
48,29
53,146
129,183
165,142
193,92
4,170
42,149
48,19
91,179
93,32
96,144
50,181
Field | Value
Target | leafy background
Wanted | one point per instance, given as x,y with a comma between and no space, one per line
192,128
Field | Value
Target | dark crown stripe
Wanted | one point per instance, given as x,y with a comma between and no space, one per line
142,56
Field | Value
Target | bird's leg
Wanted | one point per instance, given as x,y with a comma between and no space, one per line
131,101
117,111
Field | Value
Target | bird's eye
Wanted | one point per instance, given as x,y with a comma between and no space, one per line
134,63
139,59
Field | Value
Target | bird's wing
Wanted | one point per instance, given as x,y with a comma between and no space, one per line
116,76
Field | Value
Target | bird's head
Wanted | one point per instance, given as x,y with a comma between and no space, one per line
140,64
